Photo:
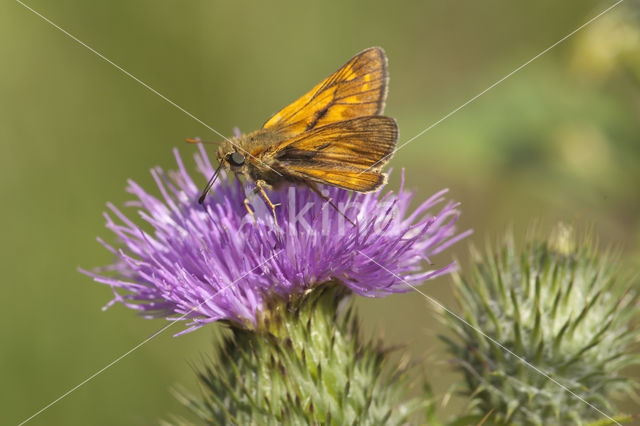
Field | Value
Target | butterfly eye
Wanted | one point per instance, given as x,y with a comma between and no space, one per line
236,159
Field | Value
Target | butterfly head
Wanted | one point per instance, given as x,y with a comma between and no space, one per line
231,157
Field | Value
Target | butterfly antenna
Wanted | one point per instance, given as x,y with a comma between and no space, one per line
207,188
198,140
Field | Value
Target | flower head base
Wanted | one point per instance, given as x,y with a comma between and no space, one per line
215,262
309,365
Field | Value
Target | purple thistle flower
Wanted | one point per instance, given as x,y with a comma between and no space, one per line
215,262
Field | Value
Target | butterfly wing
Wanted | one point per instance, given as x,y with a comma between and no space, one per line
357,89
348,154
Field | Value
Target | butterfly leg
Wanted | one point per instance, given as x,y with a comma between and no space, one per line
260,186
249,209
247,205
315,189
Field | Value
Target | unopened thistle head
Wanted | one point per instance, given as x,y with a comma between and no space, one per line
215,262
561,306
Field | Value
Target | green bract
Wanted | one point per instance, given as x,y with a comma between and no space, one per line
305,364
562,307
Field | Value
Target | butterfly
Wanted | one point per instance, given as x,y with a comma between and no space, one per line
332,135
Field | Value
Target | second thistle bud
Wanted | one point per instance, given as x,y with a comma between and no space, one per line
561,307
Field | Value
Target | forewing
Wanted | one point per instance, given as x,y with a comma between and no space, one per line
348,154
357,89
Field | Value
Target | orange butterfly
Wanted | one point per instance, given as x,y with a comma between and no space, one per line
333,135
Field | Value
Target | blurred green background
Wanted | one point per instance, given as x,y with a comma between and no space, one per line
559,140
